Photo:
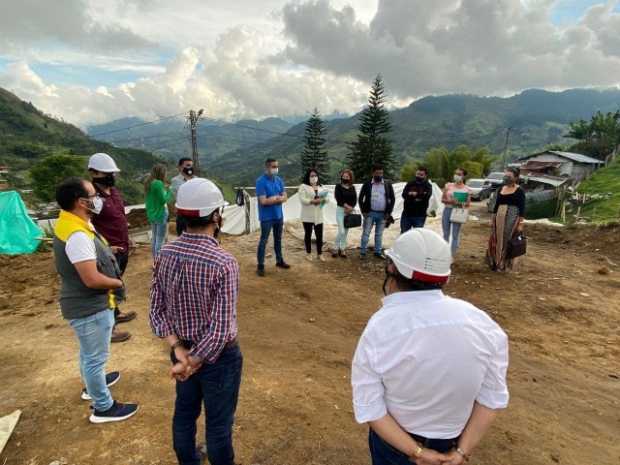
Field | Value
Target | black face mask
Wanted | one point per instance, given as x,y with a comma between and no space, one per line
345,181
107,181
419,179
378,178
189,171
388,275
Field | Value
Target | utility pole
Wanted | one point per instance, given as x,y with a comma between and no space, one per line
193,125
508,130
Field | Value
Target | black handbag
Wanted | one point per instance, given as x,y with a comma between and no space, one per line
517,246
353,220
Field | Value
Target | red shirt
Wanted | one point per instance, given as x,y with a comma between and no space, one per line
194,294
111,223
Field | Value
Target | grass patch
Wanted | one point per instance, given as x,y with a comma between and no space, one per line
604,186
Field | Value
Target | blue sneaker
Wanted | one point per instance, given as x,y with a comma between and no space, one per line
110,379
118,412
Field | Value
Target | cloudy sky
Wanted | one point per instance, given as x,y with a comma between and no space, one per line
92,61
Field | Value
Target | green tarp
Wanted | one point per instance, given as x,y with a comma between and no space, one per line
18,233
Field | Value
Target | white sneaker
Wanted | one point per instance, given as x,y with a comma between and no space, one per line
321,258
309,257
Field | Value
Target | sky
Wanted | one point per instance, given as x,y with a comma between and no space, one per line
93,61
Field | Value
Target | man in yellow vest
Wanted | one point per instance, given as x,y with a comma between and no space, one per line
91,286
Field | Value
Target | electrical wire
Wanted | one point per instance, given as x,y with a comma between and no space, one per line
146,123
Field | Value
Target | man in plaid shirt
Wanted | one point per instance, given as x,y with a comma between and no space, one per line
193,306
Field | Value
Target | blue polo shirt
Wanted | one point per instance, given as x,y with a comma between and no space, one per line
269,187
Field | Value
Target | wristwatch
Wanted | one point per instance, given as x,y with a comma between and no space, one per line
418,452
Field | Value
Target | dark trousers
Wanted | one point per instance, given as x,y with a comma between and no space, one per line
382,453
265,231
217,386
318,232
408,222
181,225
122,258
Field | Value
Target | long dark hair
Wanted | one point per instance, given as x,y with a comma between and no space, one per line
307,177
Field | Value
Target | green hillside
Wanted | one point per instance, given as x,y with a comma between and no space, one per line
604,189
28,135
538,119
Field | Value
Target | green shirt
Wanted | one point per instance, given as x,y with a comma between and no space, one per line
156,200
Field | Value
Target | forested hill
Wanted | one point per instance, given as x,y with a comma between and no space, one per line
27,135
537,119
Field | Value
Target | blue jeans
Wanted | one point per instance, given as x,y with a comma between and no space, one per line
376,219
93,333
448,226
265,231
408,222
341,237
217,386
158,231
382,453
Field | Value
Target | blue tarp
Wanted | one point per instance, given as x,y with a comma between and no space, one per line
18,233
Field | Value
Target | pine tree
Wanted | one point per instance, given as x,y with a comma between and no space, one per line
314,154
372,145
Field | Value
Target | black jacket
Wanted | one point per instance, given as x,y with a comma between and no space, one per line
416,206
366,194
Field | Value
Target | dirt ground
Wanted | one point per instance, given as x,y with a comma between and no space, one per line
298,331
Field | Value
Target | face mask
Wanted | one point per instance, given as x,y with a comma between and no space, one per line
188,171
106,181
378,178
345,181
95,205
385,283
419,179
458,178
274,171
508,180
313,179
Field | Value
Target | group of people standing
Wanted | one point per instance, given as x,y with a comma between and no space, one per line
430,413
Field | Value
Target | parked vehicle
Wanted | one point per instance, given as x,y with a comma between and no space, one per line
496,178
480,188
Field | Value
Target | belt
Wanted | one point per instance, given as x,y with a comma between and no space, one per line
428,443
229,345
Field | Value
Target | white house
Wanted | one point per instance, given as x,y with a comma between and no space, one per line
563,164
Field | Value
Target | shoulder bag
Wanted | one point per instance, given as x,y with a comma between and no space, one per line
354,220
459,215
517,246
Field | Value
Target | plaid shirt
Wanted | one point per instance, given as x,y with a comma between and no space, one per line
194,294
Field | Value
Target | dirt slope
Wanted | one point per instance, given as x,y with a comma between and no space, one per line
298,332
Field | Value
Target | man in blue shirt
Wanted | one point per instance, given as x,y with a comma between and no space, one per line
271,195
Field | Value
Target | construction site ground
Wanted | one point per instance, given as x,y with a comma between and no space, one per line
298,331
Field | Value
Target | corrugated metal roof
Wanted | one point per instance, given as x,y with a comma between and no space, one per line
576,157
550,180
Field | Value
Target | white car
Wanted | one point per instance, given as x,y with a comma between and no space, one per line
480,188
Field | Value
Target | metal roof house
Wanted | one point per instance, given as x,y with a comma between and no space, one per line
563,164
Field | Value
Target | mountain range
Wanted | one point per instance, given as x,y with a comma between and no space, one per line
234,152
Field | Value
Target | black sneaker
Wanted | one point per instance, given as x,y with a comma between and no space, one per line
379,256
283,265
260,271
110,379
118,412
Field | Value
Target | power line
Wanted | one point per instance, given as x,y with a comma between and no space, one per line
139,139
146,123
253,128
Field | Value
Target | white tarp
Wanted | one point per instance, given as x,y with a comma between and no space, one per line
238,220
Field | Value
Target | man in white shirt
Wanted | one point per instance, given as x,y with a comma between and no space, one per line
429,372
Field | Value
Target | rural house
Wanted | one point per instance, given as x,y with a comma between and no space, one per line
562,164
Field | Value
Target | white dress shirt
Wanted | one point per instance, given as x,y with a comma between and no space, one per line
425,358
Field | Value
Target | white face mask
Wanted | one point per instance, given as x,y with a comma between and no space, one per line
274,171
313,180
458,178
96,205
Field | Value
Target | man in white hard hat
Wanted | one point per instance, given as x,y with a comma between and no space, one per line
429,372
111,223
194,307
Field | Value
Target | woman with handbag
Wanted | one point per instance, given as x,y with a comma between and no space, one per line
507,241
313,198
456,199
346,198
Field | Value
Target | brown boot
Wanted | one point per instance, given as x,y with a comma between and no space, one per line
120,336
124,317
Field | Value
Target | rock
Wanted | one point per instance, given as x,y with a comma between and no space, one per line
311,320
584,294
555,458
603,271
614,376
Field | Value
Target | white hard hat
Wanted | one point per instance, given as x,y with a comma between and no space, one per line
423,255
198,198
103,163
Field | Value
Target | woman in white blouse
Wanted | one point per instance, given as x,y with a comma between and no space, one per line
313,198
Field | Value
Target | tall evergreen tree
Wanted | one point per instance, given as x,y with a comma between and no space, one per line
372,145
314,154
